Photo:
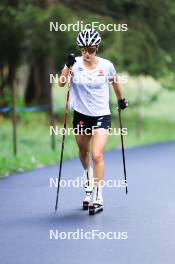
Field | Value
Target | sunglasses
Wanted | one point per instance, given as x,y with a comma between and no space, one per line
90,50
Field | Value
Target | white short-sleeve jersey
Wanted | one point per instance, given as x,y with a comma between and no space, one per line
89,92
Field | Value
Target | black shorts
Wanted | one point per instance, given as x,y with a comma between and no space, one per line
84,123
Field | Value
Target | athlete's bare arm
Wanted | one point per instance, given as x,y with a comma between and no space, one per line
117,88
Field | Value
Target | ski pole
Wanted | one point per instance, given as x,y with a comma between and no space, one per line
62,147
123,151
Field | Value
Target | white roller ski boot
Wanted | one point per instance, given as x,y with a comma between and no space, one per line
97,201
88,187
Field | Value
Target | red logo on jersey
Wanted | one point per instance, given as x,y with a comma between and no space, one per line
101,73
81,122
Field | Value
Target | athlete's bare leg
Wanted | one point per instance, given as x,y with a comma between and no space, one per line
83,142
99,140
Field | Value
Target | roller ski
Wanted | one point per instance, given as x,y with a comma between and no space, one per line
88,187
97,204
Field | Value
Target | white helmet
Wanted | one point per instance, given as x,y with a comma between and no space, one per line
88,37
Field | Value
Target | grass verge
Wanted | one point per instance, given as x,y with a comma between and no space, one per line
157,124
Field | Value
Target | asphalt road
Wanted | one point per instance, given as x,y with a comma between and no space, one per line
145,217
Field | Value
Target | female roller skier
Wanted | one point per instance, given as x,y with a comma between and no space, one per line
89,98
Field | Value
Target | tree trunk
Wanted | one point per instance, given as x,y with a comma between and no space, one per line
38,86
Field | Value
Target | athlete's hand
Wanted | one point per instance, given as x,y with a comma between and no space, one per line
70,60
122,104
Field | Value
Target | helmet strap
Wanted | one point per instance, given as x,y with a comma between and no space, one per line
97,50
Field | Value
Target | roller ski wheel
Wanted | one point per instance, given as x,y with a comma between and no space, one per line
85,205
95,208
